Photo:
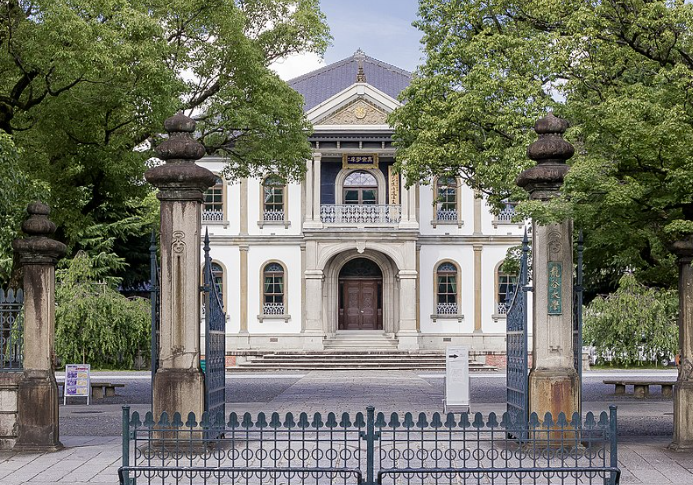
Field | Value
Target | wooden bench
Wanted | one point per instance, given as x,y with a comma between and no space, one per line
641,387
99,390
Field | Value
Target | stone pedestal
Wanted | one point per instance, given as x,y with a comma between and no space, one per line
683,393
179,382
313,332
554,384
407,336
37,393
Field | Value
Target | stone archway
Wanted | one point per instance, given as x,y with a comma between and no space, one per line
389,291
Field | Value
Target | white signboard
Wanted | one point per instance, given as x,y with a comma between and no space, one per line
456,379
77,382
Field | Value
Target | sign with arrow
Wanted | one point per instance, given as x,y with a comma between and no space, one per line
456,380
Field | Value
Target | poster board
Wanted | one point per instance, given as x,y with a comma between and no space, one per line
77,382
456,379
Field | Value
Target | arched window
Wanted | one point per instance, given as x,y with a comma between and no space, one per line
273,298
361,188
446,199
447,289
505,284
213,206
273,198
218,278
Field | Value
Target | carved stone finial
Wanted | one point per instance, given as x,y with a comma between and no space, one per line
38,247
550,152
179,177
683,249
360,56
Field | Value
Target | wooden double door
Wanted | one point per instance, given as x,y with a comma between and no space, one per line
360,304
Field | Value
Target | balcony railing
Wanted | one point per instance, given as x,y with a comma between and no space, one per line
273,309
507,214
360,214
273,216
212,215
446,309
446,215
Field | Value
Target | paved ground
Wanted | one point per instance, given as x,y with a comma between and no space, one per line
91,434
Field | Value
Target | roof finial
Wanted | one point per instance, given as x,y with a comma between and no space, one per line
360,56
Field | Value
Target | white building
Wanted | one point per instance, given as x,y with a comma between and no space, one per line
350,253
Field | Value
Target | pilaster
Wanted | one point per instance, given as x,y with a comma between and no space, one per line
478,271
408,336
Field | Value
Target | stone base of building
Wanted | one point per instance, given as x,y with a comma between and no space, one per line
9,388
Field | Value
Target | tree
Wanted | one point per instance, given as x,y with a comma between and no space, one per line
85,86
620,72
94,323
634,325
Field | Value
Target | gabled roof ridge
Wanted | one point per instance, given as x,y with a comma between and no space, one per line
347,60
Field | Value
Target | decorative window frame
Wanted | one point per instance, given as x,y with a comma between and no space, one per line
285,195
458,205
345,172
261,315
497,315
224,197
458,279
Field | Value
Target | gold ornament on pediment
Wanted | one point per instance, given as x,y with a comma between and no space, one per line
358,113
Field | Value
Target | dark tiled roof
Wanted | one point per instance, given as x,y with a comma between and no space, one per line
323,83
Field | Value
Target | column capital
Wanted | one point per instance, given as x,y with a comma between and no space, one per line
38,247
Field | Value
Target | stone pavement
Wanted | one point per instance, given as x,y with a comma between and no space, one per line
643,459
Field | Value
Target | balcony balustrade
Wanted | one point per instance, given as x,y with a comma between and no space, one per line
367,214
212,215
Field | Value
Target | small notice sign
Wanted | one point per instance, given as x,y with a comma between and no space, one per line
77,381
456,380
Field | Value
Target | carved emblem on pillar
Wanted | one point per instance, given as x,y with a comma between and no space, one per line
178,245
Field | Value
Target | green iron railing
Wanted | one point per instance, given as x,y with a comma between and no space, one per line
11,330
370,448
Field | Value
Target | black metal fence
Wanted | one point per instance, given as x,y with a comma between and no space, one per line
11,330
369,448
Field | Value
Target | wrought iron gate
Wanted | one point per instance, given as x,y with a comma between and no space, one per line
11,330
516,343
577,319
215,342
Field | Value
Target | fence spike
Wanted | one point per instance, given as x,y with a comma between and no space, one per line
478,421
163,420
261,421
435,421
422,422
408,421
562,422
450,421
148,419
303,421
360,422
464,420
492,421
247,421
534,421
233,421
135,420
275,421
394,421
331,420
380,421
317,421
191,421
177,420
345,422
289,421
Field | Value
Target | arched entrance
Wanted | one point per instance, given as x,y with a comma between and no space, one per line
360,296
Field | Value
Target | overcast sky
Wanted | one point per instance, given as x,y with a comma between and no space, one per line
381,28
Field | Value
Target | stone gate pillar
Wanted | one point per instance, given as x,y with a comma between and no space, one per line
553,380
179,383
37,397
683,393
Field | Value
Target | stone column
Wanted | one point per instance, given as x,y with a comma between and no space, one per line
683,391
317,163
179,382
314,331
553,380
308,188
37,398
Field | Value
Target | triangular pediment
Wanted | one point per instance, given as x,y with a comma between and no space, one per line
358,105
359,112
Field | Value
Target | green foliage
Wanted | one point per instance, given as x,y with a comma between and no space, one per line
620,72
85,86
633,325
94,323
